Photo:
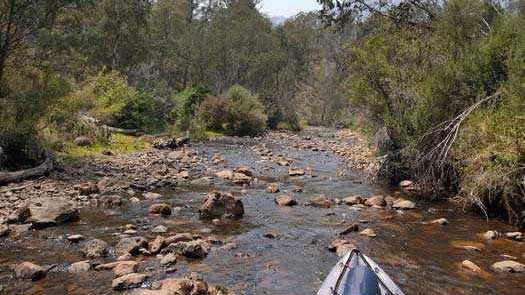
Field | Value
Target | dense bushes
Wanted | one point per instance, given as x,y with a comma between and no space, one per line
235,112
448,94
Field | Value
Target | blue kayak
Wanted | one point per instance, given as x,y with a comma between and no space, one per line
358,274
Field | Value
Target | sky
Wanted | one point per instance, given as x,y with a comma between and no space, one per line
288,7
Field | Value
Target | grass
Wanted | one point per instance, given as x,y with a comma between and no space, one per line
118,144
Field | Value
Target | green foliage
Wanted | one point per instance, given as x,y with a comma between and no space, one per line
109,98
246,115
186,102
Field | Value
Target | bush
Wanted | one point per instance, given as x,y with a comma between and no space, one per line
246,116
213,112
185,105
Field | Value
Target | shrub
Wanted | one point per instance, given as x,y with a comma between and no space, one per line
247,116
213,112
185,105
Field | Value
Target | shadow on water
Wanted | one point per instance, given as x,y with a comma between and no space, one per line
420,257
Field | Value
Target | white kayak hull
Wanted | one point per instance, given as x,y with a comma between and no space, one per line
358,274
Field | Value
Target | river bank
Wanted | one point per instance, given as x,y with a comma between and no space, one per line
271,249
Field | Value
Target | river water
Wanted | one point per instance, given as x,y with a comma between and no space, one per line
421,258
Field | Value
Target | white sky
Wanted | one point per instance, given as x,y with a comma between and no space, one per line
288,7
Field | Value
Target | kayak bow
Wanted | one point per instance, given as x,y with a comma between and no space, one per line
358,274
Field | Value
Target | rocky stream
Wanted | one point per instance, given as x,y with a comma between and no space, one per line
267,215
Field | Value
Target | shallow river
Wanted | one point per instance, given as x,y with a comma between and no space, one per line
419,257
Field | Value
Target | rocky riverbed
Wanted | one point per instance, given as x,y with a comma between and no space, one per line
241,216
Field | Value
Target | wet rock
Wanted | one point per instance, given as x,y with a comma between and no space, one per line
125,267
376,201
184,237
272,234
467,264
508,266
320,202
272,188
491,235
29,271
160,229
296,172
516,236
81,266
152,196
129,281
350,229
157,244
130,245
224,174
168,259
440,221
353,200
368,232
160,209
46,212
468,245
341,246
221,205
197,249
285,201
83,141
241,179
75,238
95,248
402,204
244,170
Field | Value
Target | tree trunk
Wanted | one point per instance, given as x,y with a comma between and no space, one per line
17,176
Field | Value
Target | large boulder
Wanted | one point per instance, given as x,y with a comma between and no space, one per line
241,179
353,200
47,211
220,204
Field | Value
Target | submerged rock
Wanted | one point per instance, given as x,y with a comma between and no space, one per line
241,179
491,235
296,172
272,188
368,232
285,201
341,246
440,221
320,202
129,281
219,205
224,174
516,236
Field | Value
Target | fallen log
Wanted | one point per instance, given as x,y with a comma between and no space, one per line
96,123
17,176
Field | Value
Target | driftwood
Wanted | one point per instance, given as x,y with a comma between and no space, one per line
96,123
17,176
